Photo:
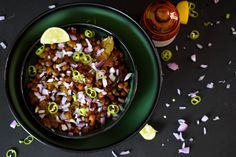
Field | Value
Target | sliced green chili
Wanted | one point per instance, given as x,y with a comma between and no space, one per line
191,5
166,55
91,92
52,107
82,111
196,100
28,140
11,153
40,50
77,76
227,16
78,56
32,71
89,34
194,35
74,97
87,59
113,109
193,13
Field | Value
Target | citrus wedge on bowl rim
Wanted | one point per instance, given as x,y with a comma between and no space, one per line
54,35
183,9
148,132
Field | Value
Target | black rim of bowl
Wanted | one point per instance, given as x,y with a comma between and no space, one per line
28,130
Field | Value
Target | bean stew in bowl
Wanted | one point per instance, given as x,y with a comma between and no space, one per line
80,87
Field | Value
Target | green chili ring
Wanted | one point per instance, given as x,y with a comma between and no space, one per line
89,33
52,107
113,109
82,111
193,13
91,92
194,35
166,55
78,56
32,71
11,153
87,59
28,140
40,50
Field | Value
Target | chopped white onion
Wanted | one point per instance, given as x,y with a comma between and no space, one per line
182,127
61,94
204,131
60,65
117,72
42,74
104,82
42,116
63,127
112,77
41,98
112,70
41,111
99,52
185,150
60,45
228,86
45,91
182,107
178,92
40,86
72,37
176,135
63,100
193,94
78,47
167,105
89,48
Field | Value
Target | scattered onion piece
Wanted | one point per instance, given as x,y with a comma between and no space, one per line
3,45
173,66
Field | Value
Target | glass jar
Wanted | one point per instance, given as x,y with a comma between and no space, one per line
161,21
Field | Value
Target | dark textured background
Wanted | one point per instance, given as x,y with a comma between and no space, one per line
220,140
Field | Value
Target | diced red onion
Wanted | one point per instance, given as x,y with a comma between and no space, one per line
176,135
13,124
127,76
99,52
80,125
93,65
216,1
126,152
81,97
41,98
181,121
181,137
60,45
100,63
183,127
104,82
193,94
40,86
67,85
89,48
72,37
78,47
117,72
199,46
173,66
88,99
45,91
3,45
59,54
185,150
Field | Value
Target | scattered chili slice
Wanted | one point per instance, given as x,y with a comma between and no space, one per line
32,71
89,33
193,13
113,109
194,35
91,92
28,140
166,55
191,5
74,97
78,56
82,111
227,16
196,100
11,153
77,76
52,107
40,50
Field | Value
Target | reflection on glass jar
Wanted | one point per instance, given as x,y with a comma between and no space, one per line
161,21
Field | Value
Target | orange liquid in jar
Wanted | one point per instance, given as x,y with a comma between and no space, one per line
161,21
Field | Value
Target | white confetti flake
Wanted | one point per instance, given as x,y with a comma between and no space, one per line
217,22
176,135
191,140
173,66
194,58
228,86
204,66
167,105
216,1
178,92
204,131
2,18
232,29
204,118
185,150
182,108
216,118
229,62
176,47
127,76
52,6
164,117
3,45
222,81
199,46
126,152
114,154
173,100
198,122
162,144
201,78
193,94
210,85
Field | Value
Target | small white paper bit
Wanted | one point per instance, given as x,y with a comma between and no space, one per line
198,122
178,92
125,152
162,144
204,118
201,78
173,100
204,131
191,139
164,116
52,6
216,118
114,154
204,66
3,45
194,57
199,46
210,85
217,22
182,108
228,86
167,105
176,47
193,94
222,81
232,29
209,44
2,17
229,62
216,1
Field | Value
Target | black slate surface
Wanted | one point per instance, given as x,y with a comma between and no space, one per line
220,140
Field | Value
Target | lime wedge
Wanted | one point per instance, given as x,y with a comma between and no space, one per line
54,35
183,10
148,132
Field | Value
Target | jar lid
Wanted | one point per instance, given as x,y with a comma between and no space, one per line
161,17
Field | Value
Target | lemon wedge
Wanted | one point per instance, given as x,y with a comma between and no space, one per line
183,10
148,132
54,35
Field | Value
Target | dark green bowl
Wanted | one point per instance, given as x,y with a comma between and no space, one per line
140,48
